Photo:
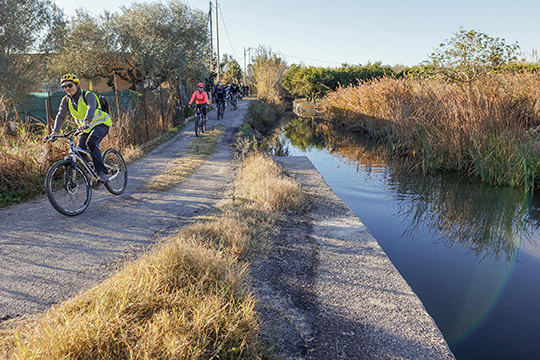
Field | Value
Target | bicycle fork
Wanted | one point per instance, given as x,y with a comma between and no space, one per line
69,186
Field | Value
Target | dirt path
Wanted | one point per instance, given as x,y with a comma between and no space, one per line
46,257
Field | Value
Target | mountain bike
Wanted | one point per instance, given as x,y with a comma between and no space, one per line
200,121
220,108
69,182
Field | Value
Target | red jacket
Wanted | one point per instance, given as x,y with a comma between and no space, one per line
201,96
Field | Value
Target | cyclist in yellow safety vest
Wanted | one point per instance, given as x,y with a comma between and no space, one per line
86,110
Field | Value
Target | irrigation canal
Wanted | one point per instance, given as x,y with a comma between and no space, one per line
471,252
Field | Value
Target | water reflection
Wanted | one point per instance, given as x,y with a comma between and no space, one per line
482,220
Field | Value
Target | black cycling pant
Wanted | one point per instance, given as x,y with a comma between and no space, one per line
90,141
203,108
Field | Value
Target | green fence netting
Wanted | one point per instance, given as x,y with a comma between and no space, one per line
33,108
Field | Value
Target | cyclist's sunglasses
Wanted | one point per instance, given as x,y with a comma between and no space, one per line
66,86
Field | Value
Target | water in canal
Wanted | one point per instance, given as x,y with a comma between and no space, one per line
470,252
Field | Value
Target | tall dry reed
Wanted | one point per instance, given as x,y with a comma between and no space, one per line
487,129
268,71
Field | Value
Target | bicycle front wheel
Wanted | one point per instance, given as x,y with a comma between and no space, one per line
115,164
68,188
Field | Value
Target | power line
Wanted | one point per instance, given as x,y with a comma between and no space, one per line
324,61
226,32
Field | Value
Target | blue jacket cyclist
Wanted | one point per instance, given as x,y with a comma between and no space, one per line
87,114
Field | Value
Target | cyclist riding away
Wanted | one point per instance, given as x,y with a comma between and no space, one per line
201,99
85,108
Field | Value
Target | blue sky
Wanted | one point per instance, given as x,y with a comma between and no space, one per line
328,33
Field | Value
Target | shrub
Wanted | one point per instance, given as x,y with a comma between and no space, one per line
311,81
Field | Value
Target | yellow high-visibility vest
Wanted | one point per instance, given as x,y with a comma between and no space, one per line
100,117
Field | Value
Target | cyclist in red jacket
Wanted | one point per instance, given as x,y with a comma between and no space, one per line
201,98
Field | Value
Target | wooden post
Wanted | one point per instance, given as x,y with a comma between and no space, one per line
145,113
48,114
48,151
117,97
161,106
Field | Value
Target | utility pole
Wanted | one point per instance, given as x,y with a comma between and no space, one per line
217,44
245,73
211,34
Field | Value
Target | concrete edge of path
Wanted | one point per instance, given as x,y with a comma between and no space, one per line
346,298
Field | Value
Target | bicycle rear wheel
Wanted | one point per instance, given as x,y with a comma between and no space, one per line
118,175
68,188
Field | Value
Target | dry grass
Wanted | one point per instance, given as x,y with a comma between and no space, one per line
199,150
485,130
23,162
187,299
182,301
263,185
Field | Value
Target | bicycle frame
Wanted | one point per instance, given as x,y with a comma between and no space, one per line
220,104
199,112
75,153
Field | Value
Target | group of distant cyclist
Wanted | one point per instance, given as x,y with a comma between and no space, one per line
220,94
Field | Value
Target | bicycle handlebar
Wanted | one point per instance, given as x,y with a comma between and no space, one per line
67,135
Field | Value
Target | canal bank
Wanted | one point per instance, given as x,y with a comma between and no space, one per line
328,290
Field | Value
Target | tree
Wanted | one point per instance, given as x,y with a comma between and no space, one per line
88,48
161,43
297,83
469,55
24,26
311,81
230,69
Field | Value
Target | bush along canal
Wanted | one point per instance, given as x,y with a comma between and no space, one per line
471,252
